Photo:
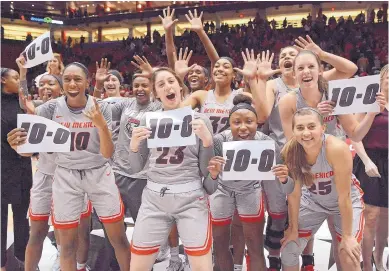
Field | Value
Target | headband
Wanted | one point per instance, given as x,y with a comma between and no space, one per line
117,74
56,77
243,106
308,108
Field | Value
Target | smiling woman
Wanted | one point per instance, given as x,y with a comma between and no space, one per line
323,164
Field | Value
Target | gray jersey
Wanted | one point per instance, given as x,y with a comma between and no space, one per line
218,113
115,123
274,121
129,114
323,192
330,121
175,165
85,140
242,186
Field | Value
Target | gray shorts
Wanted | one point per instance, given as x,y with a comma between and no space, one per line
275,199
41,195
312,216
224,202
158,213
70,187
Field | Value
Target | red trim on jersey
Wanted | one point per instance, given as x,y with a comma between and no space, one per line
143,250
204,249
259,217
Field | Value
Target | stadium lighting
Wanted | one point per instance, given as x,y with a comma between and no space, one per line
139,6
108,9
32,5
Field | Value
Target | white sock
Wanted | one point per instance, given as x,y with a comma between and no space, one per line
59,249
174,254
80,266
238,267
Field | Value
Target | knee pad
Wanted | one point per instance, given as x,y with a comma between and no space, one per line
290,254
275,232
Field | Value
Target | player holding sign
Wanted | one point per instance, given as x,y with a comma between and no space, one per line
322,164
245,196
85,169
174,190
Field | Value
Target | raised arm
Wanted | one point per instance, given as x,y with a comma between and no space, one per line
197,26
265,93
203,129
102,119
286,109
168,24
343,68
101,76
357,130
195,99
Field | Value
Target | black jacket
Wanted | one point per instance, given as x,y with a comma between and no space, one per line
16,171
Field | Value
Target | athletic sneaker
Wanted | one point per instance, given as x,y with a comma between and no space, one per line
175,266
56,265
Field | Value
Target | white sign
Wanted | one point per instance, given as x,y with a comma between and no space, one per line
43,135
38,51
356,95
248,160
170,128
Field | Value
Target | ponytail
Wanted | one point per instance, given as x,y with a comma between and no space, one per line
294,156
323,86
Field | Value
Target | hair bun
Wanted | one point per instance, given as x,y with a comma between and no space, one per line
241,98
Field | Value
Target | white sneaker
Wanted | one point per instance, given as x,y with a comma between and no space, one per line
175,266
163,253
56,265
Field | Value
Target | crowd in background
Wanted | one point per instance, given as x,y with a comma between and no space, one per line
357,40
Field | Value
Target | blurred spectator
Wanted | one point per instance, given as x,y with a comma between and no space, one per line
377,63
2,32
212,25
29,37
69,42
372,16
285,23
82,41
206,27
363,63
380,14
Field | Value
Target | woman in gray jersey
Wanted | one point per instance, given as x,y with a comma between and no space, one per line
217,103
85,169
269,114
313,93
174,190
324,186
245,196
41,192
